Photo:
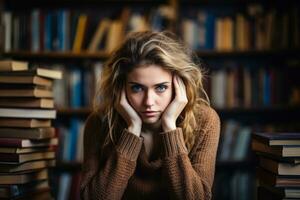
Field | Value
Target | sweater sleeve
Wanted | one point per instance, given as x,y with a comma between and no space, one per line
107,178
191,177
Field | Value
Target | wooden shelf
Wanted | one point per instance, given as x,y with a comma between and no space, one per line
282,113
67,166
15,4
234,165
66,112
277,53
102,55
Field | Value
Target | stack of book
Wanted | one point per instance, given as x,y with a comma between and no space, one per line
279,165
27,140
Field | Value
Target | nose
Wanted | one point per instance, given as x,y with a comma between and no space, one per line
149,99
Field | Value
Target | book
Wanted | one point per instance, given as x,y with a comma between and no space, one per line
18,142
267,193
9,191
279,168
4,79
32,165
292,160
27,102
99,35
28,133
80,33
27,149
283,151
281,192
275,180
26,123
33,92
22,178
37,71
12,158
27,113
275,139
12,65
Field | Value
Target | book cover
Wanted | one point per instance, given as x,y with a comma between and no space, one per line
26,123
27,113
13,65
18,142
36,71
22,178
28,133
278,138
12,158
27,102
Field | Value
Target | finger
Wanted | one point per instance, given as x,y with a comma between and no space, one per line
176,86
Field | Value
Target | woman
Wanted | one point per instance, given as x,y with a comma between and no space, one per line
154,135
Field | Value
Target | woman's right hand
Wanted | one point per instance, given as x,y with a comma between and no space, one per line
132,119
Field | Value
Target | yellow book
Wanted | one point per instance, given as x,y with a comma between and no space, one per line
103,27
80,32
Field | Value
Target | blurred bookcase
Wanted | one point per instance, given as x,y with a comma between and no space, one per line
249,49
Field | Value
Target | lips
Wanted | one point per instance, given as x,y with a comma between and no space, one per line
149,113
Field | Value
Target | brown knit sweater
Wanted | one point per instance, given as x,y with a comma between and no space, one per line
123,171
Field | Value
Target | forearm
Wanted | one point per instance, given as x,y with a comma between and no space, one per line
185,180
110,181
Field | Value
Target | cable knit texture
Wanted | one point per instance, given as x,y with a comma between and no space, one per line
123,170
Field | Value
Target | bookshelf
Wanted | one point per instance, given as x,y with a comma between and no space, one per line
273,57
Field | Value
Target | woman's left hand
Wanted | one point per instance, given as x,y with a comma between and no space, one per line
174,109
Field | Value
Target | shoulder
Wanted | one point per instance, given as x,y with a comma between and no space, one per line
93,120
207,117
95,127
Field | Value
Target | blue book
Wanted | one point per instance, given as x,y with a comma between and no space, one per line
48,32
76,88
35,30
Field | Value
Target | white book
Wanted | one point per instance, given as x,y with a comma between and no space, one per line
27,113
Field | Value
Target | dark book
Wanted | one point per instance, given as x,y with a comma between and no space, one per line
22,178
27,133
13,158
264,193
281,192
279,168
27,149
283,151
12,65
36,80
27,102
32,165
33,92
274,139
47,73
275,180
9,191
19,142
292,160
27,113
26,123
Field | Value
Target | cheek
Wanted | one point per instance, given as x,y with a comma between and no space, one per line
166,99
134,101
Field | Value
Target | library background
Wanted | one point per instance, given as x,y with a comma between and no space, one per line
250,50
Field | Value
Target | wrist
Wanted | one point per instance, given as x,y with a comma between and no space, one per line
169,127
135,129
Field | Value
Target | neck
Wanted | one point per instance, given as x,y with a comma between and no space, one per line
151,128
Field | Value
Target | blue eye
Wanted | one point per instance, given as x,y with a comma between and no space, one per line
136,88
161,88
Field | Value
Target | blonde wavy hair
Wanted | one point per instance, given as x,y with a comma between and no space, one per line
146,48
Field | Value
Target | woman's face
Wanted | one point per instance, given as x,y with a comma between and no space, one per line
149,91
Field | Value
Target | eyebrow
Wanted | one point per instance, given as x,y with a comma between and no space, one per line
143,85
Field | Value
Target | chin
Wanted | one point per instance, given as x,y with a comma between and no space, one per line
150,121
